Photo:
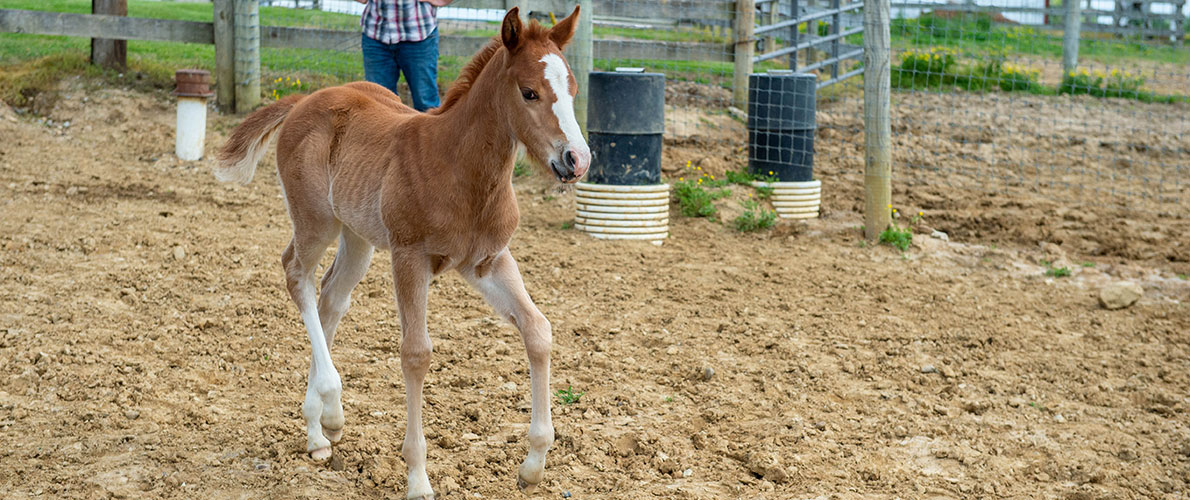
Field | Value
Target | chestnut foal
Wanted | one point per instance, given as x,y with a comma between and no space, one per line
435,190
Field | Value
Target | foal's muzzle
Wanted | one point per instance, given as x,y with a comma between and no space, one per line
572,165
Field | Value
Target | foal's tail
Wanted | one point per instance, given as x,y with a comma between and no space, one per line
250,141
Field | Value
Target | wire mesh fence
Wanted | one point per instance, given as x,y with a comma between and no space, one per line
982,100
981,97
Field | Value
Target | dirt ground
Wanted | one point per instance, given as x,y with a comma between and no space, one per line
149,350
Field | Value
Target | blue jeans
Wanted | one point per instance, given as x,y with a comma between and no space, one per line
417,60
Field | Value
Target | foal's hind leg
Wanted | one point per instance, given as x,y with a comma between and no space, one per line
300,260
350,266
505,291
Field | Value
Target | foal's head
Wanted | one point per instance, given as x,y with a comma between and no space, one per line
539,95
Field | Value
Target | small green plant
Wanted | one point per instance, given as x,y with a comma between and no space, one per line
568,396
669,399
754,218
1055,272
568,224
1098,83
283,86
1184,276
923,68
694,198
1082,82
742,178
897,237
1088,264
1013,77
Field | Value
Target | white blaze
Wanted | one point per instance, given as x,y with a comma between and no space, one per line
557,74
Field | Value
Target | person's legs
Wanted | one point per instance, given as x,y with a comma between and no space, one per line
380,64
419,63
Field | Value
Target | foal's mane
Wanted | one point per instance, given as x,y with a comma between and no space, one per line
470,72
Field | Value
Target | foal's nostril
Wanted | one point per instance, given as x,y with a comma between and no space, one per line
570,159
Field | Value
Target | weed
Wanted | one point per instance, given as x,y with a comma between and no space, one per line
669,399
283,86
1055,272
548,197
897,237
568,224
694,199
521,169
568,396
754,218
1184,276
742,178
1088,264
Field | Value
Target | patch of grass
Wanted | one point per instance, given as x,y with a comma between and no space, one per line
568,225
897,237
941,69
754,218
568,396
1055,272
1088,264
696,197
1184,276
695,200
975,33
521,169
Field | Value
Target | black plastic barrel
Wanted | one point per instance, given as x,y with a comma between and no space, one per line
625,122
781,125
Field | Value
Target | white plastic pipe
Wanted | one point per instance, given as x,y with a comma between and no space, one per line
192,127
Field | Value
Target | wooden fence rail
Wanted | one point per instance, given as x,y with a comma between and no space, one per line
134,28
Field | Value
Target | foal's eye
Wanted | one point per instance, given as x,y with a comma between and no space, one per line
529,94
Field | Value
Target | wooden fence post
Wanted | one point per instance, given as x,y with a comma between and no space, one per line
247,54
225,60
584,59
1070,37
745,47
877,130
106,52
774,14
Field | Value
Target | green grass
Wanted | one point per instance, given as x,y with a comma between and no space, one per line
186,11
32,62
975,34
941,68
754,218
896,237
695,200
1055,272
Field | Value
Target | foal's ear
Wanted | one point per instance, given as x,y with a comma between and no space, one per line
562,32
510,32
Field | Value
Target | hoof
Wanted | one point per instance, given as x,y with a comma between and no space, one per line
333,435
525,486
321,454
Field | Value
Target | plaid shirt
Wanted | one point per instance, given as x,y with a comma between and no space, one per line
392,21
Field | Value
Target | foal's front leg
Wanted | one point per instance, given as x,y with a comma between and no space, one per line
411,275
503,288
